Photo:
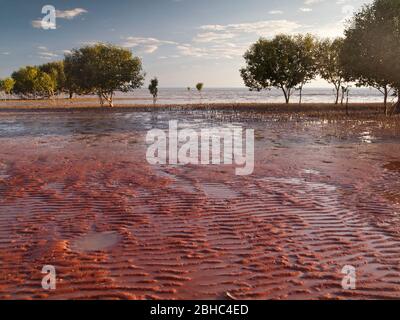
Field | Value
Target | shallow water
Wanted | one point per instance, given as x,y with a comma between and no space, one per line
173,96
96,241
76,192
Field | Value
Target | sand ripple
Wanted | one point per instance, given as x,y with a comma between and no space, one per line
116,228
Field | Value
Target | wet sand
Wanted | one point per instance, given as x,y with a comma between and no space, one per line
76,192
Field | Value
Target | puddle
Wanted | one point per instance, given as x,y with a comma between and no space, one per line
307,185
219,191
311,171
96,242
366,137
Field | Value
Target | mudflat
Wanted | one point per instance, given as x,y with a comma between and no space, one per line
76,192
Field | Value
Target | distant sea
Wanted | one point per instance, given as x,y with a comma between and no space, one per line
243,95
173,96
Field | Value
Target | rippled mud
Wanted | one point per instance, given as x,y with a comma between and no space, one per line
77,193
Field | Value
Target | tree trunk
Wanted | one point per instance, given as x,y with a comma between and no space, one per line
111,100
108,98
101,99
286,94
301,95
71,95
343,93
337,88
385,100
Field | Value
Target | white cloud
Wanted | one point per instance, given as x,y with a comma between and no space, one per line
276,12
261,28
45,53
312,2
232,40
172,56
39,24
146,45
348,11
70,14
213,36
216,51
189,50
48,54
334,29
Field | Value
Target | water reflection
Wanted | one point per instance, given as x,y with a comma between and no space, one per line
366,137
72,124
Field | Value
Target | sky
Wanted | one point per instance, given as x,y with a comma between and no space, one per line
182,42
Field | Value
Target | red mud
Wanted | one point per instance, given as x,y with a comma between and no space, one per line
117,228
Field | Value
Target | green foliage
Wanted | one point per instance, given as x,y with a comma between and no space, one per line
103,69
284,62
307,64
30,82
372,46
56,71
7,85
387,29
329,64
153,88
199,86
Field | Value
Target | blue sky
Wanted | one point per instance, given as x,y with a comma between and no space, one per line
182,42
